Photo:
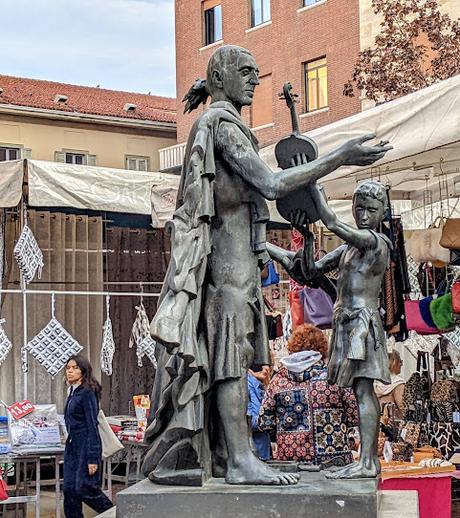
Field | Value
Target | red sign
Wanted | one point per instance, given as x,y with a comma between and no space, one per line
21,409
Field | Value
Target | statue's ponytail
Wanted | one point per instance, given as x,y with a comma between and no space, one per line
198,94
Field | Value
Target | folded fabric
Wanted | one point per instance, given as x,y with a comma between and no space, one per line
424,305
441,312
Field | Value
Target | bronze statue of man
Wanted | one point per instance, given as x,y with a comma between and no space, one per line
357,353
210,319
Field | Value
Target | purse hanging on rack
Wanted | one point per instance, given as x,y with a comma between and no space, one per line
27,252
317,307
53,346
272,275
108,343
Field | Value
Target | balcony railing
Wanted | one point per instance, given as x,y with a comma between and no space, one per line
172,156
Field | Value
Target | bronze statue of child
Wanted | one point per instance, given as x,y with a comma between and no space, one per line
358,353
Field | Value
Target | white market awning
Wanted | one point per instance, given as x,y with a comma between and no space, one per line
424,129
53,184
11,179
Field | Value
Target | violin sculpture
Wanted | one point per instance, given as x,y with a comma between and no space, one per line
285,151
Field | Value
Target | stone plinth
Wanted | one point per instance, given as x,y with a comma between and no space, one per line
313,497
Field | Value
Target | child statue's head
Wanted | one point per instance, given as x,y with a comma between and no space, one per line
370,204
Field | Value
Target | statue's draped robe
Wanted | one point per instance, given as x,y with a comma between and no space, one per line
180,429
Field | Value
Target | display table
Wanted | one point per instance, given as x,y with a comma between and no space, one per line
134,453
20,462
434,492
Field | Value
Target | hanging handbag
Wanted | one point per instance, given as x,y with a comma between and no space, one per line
441,312
414,319
450,237
402,451
417,389
296,307
456,297
410,433
444,400
445,437
317,307
110,442
272,276
3,488
423,245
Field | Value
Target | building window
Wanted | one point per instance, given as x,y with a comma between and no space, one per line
306,3
260,12
316,84
9,153
137,163
262,105
75,159
212,21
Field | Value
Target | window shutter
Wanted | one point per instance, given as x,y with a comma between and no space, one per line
91,160
131,164
26,152
143,164
59,156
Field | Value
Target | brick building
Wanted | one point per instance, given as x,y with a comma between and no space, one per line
311,43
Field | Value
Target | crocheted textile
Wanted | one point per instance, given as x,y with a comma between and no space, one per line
52,347
140,337
28,255
5,344
108,343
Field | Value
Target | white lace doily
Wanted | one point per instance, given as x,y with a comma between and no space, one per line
140,337
108,343
28,255
412,271
53,346
5,344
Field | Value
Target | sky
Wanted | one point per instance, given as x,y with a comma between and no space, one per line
117,44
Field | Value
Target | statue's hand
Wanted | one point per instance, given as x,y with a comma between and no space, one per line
357,154
299,221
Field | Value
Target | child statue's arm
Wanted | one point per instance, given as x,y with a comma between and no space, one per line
360,238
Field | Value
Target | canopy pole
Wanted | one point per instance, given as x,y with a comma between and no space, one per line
23,219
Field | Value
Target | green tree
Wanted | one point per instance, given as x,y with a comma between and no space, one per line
416,47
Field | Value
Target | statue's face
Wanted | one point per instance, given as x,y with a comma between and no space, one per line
239,79
368,212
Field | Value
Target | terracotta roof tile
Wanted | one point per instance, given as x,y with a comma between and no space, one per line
84,99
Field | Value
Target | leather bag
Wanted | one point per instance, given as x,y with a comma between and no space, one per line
414,319
110,442
450,237
441,312
317,307
456,297
272,276
423,245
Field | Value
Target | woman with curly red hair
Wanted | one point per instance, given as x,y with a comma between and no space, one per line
312,417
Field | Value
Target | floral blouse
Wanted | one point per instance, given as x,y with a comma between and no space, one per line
310,415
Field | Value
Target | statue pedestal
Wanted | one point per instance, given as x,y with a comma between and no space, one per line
313,497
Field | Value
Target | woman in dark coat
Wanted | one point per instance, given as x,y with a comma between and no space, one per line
83,449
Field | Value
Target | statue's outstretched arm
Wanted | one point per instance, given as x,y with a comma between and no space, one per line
239,153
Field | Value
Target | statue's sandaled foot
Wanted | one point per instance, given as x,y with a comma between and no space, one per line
356,470
253,471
